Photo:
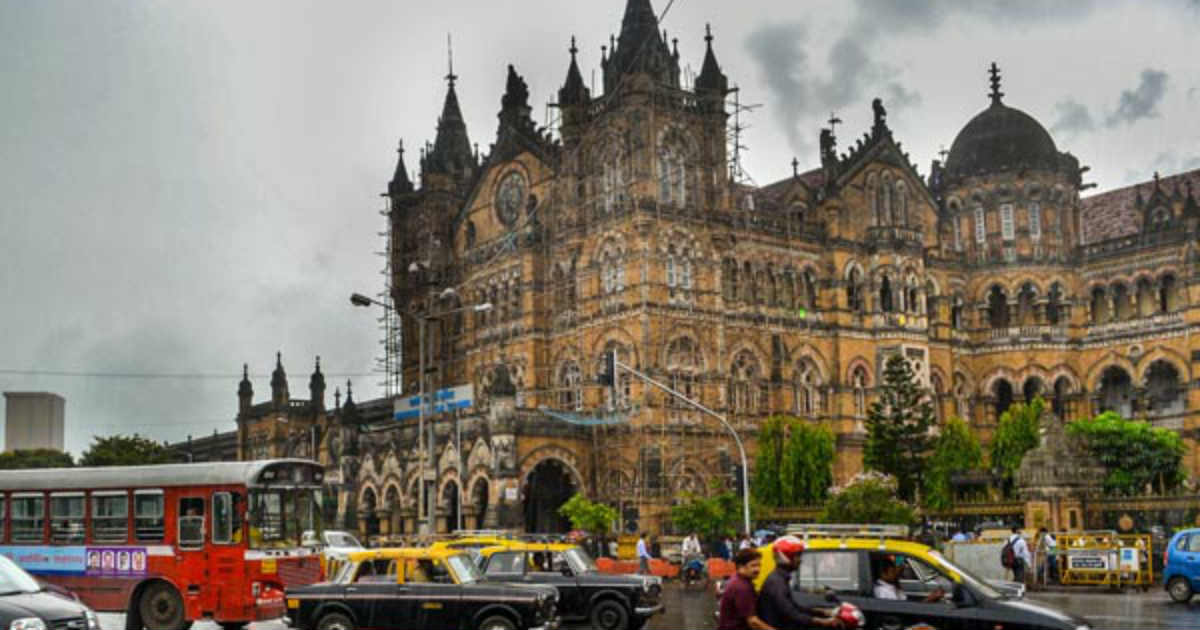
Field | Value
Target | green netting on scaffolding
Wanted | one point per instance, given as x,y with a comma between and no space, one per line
588,420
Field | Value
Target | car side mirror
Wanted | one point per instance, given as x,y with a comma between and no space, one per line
962,597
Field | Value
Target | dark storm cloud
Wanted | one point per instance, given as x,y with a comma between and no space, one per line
1142,101
779,51
1072,118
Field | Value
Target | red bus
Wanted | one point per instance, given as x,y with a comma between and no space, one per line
168,545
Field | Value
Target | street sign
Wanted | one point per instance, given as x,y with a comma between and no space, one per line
442,400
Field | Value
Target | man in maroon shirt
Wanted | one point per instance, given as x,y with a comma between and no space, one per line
739,604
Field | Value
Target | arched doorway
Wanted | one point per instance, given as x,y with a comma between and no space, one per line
1116,391
1002,393
479,499
547,487
368,513
450,505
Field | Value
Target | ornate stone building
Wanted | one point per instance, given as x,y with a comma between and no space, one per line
625,231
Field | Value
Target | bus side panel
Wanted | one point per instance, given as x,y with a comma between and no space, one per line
109,595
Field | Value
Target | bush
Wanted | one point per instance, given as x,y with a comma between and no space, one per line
869,498
594,518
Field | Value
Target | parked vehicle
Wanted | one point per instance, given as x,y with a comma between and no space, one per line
1181,565
608,602
168,544
26,605
418,588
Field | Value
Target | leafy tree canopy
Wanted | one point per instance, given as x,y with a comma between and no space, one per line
1137,455
1017,433
898,424
594,518
868,498
956,450
793,464
122,450
710,517
35,458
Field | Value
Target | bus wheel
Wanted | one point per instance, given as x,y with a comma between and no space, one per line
161,607
335,621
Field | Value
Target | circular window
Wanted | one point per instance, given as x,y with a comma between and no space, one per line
510,196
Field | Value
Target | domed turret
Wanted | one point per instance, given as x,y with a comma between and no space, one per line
1001,139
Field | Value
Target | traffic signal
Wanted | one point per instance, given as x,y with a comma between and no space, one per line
738,483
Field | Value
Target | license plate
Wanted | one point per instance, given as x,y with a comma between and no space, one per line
293,603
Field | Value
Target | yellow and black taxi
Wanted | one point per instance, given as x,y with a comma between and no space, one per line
585,595
898,583
406,588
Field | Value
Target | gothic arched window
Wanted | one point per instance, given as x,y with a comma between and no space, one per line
570,394
854,298
807,390
858,381
744,385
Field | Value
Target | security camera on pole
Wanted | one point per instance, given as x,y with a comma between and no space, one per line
609,378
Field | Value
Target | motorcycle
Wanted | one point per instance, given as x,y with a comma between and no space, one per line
695,572
851,616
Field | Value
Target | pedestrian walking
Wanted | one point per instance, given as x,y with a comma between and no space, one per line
1015,555
738,609
643,555
1048,546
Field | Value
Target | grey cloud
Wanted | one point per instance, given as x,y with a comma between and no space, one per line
1142,101
926,15
779,52
1073,118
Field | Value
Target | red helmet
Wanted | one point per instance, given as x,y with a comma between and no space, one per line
787,548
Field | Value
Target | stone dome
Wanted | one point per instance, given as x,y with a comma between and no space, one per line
1001,139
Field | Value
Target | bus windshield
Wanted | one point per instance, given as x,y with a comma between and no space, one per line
279,517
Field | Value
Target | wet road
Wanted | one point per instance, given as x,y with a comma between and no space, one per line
693,610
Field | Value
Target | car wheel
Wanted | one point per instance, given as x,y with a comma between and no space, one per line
335,621
609,615
1180,590
161,607
497,622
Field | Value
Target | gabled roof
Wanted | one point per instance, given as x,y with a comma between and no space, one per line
1114,214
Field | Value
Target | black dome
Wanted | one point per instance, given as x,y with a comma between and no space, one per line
1001,139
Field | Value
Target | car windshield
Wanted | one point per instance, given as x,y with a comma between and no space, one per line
464,568
279,517
14,579
341,539
978,584
580,561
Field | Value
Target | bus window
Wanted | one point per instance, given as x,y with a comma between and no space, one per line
191,523
148,515
110,517
28,518
222,517
66,518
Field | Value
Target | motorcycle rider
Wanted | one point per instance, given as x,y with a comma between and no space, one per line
775,604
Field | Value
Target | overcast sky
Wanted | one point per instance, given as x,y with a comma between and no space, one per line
187,186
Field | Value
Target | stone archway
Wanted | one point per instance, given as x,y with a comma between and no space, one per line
546,487
479,499
449,507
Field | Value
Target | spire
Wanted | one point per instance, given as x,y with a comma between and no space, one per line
711,78
400,183
316,387
996,94
1190,207
245,389
279,384
573,91
451,153
642,48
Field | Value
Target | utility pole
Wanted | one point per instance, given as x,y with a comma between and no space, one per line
610,378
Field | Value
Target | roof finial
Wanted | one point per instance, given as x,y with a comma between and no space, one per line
246,367
834,121
400,149
942,153
1155,180
996,93
795,167
450,76
573,49
318,363
708,33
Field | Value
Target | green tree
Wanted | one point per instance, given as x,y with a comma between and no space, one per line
1017,433
595,518
806,472
870,498
898,426
35,458
123,450
764,483
956,450
1137,455
710,517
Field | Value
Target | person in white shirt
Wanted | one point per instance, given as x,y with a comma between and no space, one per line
643,554
1021,556
690,547
888,584
960,537
1048,545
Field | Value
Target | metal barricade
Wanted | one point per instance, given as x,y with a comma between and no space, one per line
1105,558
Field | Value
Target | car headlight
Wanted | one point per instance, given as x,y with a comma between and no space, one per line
93,621
27,623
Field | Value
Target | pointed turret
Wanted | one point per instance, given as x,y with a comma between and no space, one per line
245,390
641,48
400,183
451,152
279,385
573,91
711,79
316,388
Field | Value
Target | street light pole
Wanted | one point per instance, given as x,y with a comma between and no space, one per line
737,439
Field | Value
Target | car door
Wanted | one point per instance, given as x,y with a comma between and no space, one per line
824,572
892,614
375,595
1189,555
436,599
560,575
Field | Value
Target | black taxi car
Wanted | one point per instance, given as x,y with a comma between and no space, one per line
418,588
585,595
27,604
